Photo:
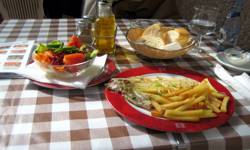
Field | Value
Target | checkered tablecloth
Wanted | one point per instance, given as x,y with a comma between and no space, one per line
33,117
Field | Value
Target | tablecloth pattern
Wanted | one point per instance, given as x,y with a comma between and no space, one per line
33,117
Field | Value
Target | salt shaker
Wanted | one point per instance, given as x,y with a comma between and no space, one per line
84,30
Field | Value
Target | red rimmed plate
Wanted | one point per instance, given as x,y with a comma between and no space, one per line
134,115
109,69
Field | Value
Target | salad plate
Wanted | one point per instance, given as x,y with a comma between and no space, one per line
144,118
71,65
107,72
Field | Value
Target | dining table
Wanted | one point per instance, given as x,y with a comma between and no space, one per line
37,117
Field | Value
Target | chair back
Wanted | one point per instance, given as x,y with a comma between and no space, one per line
21,9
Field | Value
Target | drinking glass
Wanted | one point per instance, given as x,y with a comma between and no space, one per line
203,23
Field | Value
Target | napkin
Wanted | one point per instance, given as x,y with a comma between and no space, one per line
244,79
240,83
34,72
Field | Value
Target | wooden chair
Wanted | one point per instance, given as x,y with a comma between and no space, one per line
21,9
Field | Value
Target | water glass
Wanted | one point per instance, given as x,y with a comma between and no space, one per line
203,23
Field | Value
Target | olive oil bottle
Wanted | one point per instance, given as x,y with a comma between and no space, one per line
105,28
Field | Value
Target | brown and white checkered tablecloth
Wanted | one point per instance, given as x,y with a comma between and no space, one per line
33,117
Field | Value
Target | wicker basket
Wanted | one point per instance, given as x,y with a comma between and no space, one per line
134,34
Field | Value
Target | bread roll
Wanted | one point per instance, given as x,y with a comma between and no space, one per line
182,31
164,34
155,35
153,41
152,30
184,36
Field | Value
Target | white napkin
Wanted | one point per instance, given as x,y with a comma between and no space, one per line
244,79
240,83
34,72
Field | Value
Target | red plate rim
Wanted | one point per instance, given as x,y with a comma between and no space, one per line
107,74
124,109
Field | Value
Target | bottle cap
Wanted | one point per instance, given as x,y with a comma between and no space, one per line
87,19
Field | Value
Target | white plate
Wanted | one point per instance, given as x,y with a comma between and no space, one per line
221,58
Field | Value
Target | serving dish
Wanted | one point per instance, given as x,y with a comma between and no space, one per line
107,72
140,117
65,61
133,34
65,71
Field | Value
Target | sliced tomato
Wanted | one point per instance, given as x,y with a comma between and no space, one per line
74,58
74,41
71,43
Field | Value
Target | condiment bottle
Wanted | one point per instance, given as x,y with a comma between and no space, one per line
105,28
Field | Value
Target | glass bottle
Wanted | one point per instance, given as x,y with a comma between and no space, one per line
105,28
229,35
230,30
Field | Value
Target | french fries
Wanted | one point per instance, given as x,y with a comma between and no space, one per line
223,106
192,104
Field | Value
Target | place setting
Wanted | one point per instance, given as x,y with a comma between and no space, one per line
155,96
73,65
227,52
151,107
234,59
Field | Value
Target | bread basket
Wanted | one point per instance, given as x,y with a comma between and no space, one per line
133,34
